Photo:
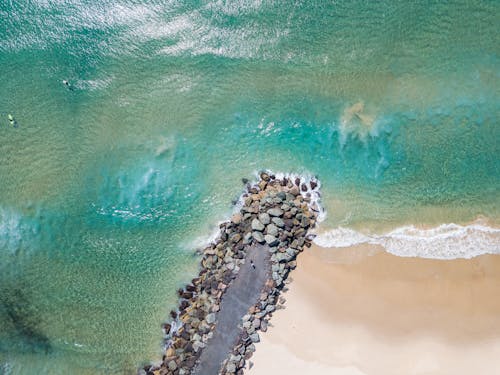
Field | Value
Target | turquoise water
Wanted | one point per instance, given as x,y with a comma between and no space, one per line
107,189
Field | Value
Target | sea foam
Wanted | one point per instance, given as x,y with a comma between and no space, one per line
446,241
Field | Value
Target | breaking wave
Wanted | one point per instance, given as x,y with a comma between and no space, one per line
446,241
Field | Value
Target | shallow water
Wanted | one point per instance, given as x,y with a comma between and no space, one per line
106,189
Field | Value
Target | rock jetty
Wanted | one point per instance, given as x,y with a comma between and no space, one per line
275,217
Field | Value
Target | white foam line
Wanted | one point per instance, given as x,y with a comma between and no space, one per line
446,241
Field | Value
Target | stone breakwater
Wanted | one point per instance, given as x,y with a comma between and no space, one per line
275,216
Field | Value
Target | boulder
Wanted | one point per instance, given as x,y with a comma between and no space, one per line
235,237
264,176
256,323
263,326
258,236
264,218
271,240
272,230
277,212
210,318
172,366
231,368
278,222
270,308
257,225
247,238
254,337
236,218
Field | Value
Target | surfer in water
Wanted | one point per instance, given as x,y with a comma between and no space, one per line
12,120
67,84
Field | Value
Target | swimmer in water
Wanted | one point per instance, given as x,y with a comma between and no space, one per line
12,120
67,84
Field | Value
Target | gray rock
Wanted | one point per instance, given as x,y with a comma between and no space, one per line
210,318
291,251
231,367
197,345
275,212
271,240
172,366
281,258
285,207
246,317
304,222
257,225
255,337
234,358
272,230
263,326
258,236
270,308
278,222
264,218
247,238
281,195
256,323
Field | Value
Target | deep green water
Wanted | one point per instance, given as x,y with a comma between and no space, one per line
106,189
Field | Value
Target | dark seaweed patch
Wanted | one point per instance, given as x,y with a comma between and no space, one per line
20,323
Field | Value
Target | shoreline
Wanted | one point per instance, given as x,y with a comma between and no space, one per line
384,314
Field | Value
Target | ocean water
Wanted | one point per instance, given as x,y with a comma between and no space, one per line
107,188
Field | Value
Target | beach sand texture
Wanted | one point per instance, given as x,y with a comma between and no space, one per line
363,311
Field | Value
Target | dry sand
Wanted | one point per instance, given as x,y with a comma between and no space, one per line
364,311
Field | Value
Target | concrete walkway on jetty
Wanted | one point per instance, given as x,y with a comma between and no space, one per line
242,293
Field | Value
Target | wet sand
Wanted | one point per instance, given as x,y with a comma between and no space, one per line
364,311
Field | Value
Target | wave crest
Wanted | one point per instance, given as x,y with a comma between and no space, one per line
446,241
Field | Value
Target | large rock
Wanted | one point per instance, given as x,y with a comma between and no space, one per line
254,337
247,238
257,225
272,230
264,218
258,236
264,176
231,368
236,219
256,323
271,240
172,366
210,318
278,222
275,212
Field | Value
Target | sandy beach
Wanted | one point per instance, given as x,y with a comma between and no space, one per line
363,311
